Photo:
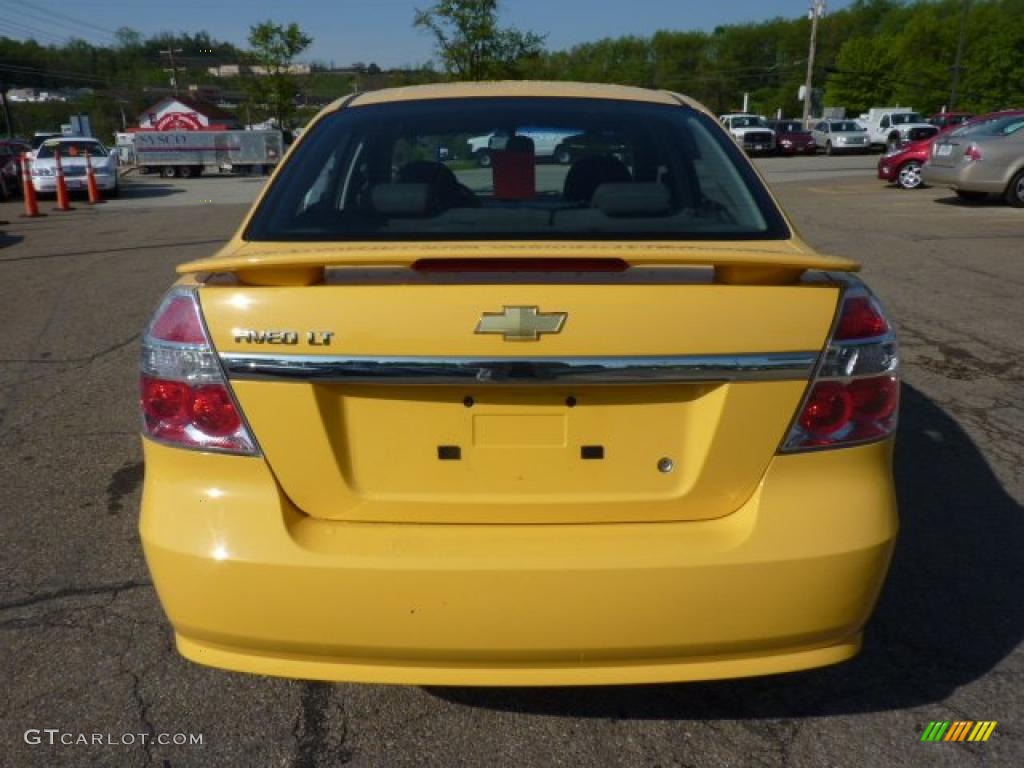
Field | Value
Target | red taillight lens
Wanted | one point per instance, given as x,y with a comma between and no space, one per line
972,153
184,396
860,319
165,403
836,414
854,397
828,409
874,399
213,410
179,322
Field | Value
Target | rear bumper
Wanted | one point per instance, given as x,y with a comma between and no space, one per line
792,149
975,177
48,184
787,582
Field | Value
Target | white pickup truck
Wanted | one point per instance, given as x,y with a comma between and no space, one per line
892,127
750,131
545,142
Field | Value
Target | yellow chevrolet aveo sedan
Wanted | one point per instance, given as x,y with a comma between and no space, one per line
590,417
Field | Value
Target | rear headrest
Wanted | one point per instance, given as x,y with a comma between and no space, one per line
427,172
590,172
633,199
404,200
519,144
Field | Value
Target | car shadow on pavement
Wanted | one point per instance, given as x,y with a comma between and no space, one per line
7,240
951,609
131,190
992,201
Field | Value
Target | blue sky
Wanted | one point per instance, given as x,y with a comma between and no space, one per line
380,30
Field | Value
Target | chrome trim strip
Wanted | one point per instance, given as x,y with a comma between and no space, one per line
369,369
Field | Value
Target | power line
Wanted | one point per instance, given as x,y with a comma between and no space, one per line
37,17
30,32
78,22
64,75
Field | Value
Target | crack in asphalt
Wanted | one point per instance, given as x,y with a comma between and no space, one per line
960,363
77,361
23,380
60,594
314,748
142,708
125,249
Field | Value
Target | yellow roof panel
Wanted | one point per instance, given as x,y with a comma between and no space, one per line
514,88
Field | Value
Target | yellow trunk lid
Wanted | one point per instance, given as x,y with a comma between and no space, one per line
536,432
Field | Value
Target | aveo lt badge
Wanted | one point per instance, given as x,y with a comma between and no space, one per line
313,338
521,323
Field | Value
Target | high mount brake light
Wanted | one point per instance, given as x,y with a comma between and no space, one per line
185,399
854,398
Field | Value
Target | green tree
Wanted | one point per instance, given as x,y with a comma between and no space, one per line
470,42
865,75
274,48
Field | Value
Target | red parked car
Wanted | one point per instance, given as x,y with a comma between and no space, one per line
903,166
949,120
791,138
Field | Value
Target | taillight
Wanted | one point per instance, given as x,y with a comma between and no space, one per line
854,398
184,396
973,153
860,318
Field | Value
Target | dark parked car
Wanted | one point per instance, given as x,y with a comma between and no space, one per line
10,166
573,148
946,120
792,138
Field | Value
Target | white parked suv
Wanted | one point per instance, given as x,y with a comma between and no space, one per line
750,131
892,128
545,142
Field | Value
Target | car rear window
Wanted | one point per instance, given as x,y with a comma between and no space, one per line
1002,125
516,168
71,149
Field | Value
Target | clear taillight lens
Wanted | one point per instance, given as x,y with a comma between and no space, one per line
854,397
184,396
973,153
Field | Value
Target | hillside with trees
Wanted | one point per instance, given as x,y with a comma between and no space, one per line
874,52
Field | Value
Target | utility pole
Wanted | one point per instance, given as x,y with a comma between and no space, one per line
169,53
959,54
6,110
816,12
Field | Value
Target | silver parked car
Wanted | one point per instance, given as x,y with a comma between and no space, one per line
985,160
841,136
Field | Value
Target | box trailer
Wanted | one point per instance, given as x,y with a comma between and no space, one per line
191,153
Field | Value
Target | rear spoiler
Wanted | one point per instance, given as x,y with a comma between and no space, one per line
304,263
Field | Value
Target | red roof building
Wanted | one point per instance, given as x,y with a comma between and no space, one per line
181,113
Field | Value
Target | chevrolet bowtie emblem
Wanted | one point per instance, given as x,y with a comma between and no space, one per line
521,323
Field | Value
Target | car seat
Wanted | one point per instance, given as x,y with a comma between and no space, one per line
590,172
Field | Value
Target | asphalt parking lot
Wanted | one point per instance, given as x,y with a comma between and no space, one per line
86,649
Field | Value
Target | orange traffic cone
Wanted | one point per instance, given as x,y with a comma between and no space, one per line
63,201
94,190
29,191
